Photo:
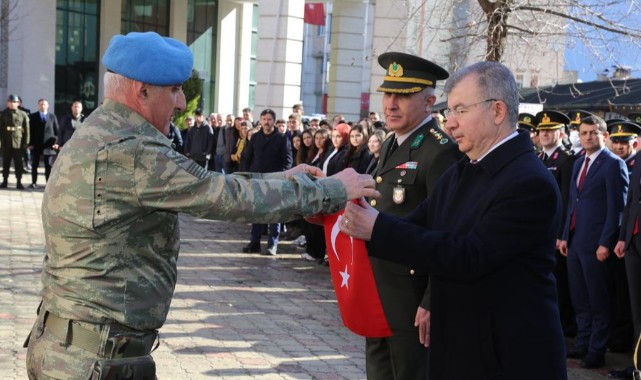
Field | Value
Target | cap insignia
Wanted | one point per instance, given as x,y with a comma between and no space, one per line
546,118
527,119
395,70
578,117
620,130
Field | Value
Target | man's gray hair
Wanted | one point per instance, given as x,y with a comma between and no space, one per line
115,83
495,81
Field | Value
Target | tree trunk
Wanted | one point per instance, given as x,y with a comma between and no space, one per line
496,12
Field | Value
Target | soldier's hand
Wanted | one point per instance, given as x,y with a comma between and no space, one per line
304,168
357,185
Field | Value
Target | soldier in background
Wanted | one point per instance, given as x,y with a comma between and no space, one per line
527,122
623,143
551,130
635,117
14,138
110,217
628,250
573,128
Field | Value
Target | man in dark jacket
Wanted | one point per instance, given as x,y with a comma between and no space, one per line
267,152
43,140
199,140
69,123
486,235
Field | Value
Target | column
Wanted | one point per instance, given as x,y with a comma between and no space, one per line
279,55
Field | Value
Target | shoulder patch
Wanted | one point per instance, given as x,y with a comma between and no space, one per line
193,168
439,137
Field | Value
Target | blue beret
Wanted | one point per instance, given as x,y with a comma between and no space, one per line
149,58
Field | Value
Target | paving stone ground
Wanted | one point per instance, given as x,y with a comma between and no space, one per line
234,316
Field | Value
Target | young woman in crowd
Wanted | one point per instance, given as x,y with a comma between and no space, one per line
238,156
374,144
315,235
337,159
307,140
358,156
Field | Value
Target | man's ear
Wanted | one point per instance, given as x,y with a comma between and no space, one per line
141,90
499,109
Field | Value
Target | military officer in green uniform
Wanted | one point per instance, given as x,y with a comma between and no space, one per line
14,138
110,217
411,161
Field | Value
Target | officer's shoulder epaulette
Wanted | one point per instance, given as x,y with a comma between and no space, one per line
566,151
438,135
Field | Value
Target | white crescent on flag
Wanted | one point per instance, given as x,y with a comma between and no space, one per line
335,231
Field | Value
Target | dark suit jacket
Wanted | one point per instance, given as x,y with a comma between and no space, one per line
269,153
632,206
401,288
561,164
42,134
599,206
487,236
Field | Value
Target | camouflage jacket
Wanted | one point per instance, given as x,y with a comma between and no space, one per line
110,216
14,128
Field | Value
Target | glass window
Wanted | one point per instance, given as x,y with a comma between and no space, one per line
77,25
145,16
202,35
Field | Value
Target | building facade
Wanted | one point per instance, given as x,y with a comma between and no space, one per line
251,53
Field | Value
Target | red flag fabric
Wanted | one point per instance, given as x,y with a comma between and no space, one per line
315,13
353,280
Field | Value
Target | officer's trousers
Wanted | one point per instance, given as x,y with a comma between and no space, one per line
9,153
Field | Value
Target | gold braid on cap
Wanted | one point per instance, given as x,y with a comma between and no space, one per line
408,80
400,90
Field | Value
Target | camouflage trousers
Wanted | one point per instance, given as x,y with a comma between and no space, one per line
49,357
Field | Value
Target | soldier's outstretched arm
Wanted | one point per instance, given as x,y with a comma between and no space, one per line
357,185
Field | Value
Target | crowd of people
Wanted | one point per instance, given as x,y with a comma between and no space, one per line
271,144
598,264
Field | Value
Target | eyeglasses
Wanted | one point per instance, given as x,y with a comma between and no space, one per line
460,110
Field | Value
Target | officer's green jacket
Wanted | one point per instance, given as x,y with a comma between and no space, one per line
14,129
110,215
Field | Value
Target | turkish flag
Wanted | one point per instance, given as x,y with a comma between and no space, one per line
315,13
353,280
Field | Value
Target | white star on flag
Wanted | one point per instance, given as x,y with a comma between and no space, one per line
345,276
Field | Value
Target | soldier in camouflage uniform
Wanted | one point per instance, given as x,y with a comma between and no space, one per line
14,138
110,215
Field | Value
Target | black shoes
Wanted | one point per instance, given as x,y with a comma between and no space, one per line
576,353
19,186
251,248
3,185
624,374
593,361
